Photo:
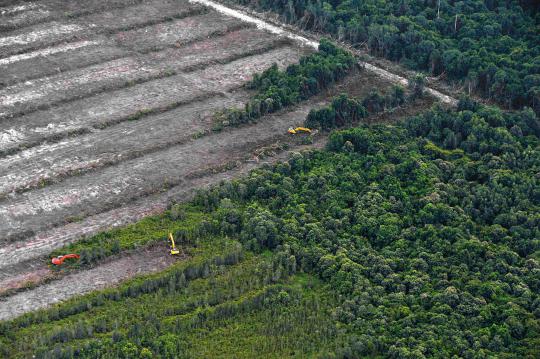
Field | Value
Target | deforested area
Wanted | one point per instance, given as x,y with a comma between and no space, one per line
194,179
112,117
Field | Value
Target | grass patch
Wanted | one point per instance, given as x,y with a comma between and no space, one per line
182,220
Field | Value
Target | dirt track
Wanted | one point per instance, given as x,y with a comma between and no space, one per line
100,121
106,275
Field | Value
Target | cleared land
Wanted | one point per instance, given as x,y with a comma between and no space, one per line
105,121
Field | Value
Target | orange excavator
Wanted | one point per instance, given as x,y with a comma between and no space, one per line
60,259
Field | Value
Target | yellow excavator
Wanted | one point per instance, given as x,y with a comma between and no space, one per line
174,250
294,131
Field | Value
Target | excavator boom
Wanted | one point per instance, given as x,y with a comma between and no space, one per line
174,250
60,259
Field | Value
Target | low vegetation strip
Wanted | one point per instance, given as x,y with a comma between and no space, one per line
181,220
58,287
165,316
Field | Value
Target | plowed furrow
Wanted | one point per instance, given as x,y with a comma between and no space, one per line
114,186
49,163
31,13
177,33
39,36
79,54
109,108
27,13
31,95
60,30
58,59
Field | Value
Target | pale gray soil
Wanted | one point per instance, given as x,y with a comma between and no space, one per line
109,108
63,27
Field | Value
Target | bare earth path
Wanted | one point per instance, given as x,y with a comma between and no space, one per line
105,118
106,275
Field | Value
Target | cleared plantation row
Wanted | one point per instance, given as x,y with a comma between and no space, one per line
19,258
43,35
31,95
48,162
39,36
109,108
76,64
95,48
17,14
94,192
46,241
24,262
203,57
56,59
90,161
99,49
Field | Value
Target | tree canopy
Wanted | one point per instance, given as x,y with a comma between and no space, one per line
491,47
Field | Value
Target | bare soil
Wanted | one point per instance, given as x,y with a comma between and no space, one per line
109,108
109,18
106,275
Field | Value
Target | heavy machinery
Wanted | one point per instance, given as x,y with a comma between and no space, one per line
294,131
174,250
60,259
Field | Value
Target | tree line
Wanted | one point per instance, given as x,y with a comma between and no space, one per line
344,110
427,233
275,89
490,47
174,314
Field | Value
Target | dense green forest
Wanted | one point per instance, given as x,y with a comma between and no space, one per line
491,46
429,229
413,240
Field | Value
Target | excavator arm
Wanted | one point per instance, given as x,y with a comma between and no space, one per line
60,259
294,131
174,250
